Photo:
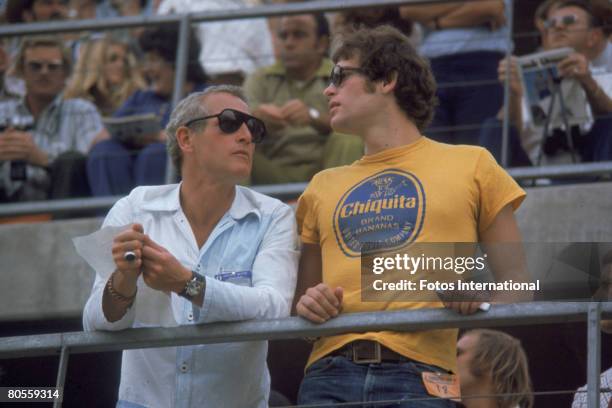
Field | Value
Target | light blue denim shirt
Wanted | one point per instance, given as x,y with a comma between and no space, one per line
250,265
445,42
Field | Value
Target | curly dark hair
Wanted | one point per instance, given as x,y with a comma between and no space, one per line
383,52
164,39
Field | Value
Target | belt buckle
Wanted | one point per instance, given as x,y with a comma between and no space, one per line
377,354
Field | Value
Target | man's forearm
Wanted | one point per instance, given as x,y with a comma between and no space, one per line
600,102
471,14
427,14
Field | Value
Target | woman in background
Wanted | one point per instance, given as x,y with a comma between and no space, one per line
106,74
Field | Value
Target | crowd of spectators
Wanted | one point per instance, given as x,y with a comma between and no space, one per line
282,63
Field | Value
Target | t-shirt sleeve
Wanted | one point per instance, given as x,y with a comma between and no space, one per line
496,190
306,214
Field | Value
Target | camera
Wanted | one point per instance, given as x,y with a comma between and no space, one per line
24,123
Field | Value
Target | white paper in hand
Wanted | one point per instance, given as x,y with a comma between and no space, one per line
97,249
152,307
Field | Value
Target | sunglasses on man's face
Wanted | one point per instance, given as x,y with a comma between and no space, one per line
339,74
565,21
231,120
38,66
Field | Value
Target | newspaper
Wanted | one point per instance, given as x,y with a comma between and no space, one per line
543,86
134,130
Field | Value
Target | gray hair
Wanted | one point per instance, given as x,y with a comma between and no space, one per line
192,107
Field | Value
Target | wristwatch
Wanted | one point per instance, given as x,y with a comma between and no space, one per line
313,113
194,286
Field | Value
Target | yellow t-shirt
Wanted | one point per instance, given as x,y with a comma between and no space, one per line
422,192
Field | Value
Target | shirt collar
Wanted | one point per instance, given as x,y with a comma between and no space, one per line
278,69
55,103
168,199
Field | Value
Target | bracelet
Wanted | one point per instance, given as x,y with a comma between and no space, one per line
116,295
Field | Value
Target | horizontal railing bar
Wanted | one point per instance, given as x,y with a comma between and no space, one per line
65,206
294,327
268,10
561,170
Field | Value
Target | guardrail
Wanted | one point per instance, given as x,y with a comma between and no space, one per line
64,344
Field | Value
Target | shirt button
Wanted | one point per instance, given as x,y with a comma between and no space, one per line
184,368
190,317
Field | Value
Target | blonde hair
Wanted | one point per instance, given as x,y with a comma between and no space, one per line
88,81
502,357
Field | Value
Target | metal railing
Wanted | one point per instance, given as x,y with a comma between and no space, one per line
64,344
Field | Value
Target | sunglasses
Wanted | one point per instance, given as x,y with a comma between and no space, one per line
231,120
565,21
339,74
38,66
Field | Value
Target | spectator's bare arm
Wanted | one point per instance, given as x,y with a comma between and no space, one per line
426,14
475,13
576,66
516,90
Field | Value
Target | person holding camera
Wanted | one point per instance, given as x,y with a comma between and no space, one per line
585,73
45,137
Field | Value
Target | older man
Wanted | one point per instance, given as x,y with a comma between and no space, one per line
586,78
45,136
201,251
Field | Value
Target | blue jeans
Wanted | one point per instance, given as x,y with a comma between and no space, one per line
334,379
463,103
113,169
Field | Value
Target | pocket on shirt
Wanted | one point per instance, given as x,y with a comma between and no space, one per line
237,277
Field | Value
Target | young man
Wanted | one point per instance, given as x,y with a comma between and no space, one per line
201,251
491,362
382,91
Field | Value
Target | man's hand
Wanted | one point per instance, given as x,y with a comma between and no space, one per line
515,82
575,66
296,113
464,308
320,303
161,270
17,145
129,240
272,115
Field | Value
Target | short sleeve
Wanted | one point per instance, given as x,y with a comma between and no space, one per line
306,214
496,190
255,89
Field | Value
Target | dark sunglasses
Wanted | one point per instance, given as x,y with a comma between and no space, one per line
339,74
565,21
52,67
231,120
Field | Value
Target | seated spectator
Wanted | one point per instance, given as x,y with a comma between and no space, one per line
114,168
31,11
46,136
490,362
106,74
586,73
464,42
288,97
230,49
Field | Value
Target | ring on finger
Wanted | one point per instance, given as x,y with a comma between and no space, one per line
129,256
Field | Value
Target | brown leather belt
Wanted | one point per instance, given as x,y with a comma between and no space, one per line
368,352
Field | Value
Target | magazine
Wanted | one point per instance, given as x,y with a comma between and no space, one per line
543,86
134,130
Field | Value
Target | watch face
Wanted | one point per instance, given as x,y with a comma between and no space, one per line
194,287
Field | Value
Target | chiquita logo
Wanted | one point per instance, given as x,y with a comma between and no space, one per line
386,209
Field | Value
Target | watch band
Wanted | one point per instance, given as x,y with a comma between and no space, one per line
194,286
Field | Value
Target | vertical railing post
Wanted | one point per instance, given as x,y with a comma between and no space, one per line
61,374
180,73
506,118
593,354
